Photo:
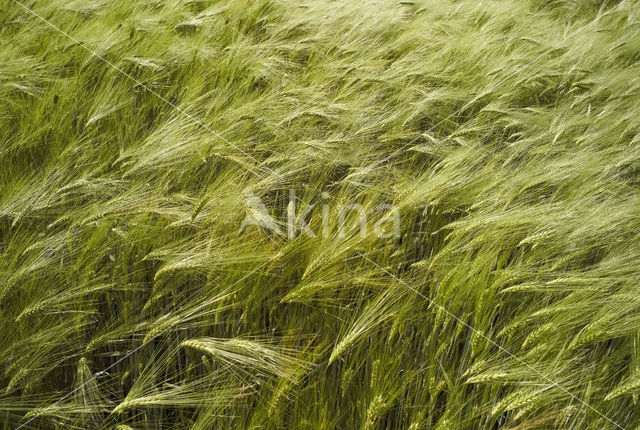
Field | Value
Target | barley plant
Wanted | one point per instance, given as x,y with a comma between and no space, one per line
182,190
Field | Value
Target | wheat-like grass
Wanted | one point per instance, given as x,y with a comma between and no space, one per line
136,138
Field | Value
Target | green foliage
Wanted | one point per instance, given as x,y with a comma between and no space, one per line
506,133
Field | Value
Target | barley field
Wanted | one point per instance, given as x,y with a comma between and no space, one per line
272,214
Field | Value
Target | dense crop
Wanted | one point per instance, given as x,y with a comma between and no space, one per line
152,153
